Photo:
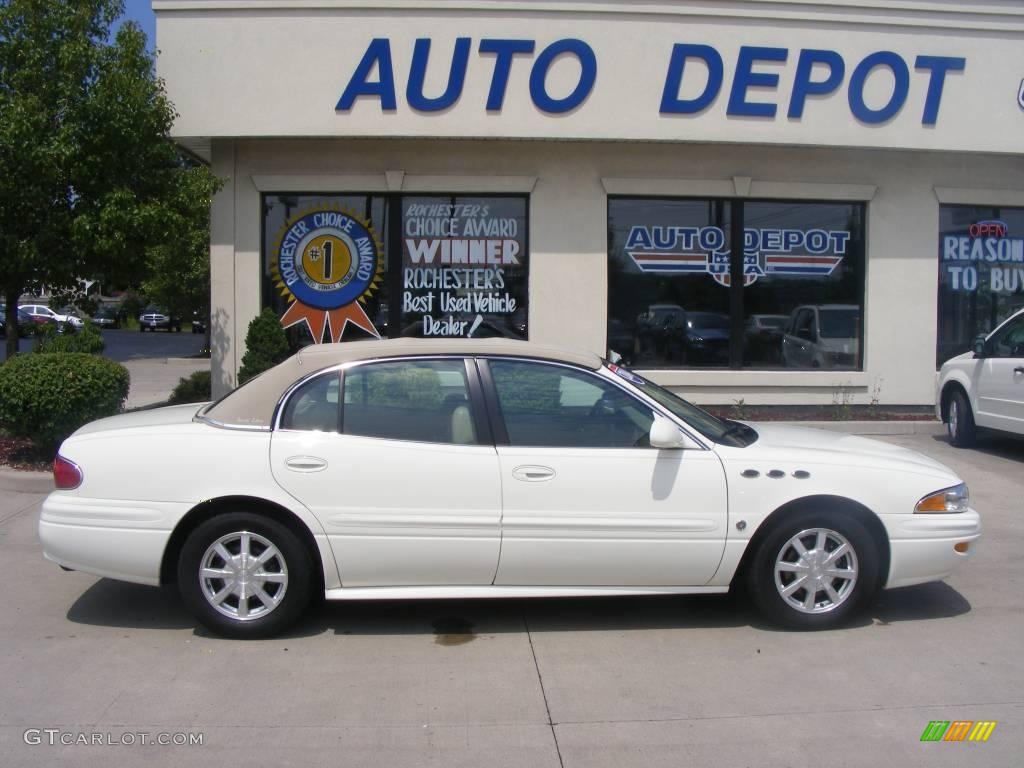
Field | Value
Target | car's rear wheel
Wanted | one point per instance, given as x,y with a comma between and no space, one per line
814,570
244,575
960,421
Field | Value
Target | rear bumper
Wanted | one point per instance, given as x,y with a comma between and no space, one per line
922,545
117,539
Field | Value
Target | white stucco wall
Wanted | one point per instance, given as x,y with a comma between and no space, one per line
569,184
279,69
257,83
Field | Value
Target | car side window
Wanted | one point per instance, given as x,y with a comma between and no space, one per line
1010,340
314,406
553,406
423,401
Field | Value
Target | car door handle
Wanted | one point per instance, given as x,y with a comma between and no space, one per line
1019,369
305,463
533,474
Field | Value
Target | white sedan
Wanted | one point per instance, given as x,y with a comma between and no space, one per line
490,468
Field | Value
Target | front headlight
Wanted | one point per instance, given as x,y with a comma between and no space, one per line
955,499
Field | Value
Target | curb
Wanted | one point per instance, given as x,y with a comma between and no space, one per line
873,427
22,481
167,360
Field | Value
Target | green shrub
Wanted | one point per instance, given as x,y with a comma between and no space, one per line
87,340
48,396
192,389
265,345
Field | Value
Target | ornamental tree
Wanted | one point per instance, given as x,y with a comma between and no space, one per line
87,170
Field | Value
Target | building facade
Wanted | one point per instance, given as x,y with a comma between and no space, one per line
583,172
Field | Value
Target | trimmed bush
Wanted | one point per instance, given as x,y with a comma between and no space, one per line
87,340
265,345
46,397
192,389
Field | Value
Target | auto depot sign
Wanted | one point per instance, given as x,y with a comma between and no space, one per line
401,72
752,92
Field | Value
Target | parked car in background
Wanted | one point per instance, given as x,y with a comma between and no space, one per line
26,322
822,336
64,322
74,316
707,338
107,316
984,388
154,318
486,468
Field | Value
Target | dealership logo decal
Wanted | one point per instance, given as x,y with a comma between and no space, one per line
958,730
766,252
328,261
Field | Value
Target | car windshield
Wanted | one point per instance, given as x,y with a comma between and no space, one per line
839,323
718,430
774,322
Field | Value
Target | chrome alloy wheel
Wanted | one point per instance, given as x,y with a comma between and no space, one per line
816,571
953,425
243,576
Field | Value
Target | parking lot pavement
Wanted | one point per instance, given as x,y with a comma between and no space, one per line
671,681
152,380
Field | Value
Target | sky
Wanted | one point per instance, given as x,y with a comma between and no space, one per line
142,12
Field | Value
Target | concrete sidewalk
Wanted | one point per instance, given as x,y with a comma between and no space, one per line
153,379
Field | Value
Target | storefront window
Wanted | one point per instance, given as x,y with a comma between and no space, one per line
285,218
464,267
669,284
667,262
364,265
981,273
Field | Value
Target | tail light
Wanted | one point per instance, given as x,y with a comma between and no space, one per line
66,474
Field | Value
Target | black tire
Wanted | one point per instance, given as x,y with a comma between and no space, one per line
292,559
824,611
960,421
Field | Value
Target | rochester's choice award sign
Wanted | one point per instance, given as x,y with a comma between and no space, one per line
464,267
328,261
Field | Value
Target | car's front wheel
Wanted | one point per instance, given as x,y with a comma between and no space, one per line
814,570
245,575
960,421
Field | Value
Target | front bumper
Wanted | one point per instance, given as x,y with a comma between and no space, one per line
922,545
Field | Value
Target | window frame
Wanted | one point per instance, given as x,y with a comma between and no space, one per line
281,411
475,399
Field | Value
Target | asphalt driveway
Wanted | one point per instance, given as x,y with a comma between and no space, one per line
674,681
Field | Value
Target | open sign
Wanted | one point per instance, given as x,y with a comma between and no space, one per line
988,229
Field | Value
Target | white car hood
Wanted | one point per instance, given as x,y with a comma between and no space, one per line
821,446
154,417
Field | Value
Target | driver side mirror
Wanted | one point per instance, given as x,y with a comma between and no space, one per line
666,435
979,345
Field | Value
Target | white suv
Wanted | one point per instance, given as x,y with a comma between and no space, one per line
984,388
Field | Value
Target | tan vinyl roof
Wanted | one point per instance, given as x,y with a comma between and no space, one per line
252,405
